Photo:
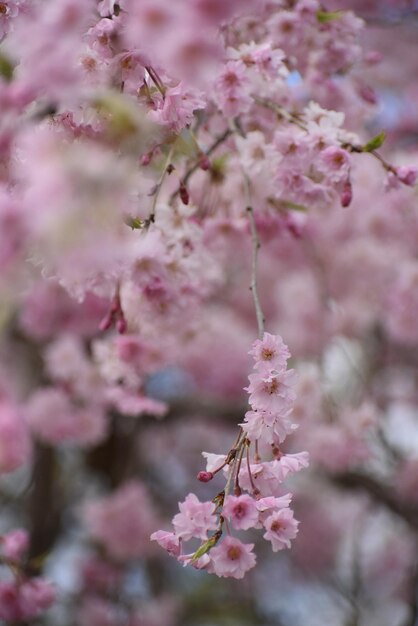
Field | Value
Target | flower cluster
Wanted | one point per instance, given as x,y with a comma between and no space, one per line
253,496
21,597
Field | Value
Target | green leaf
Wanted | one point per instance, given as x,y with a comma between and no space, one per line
134,222
287,204
324,17
293,206
374,143
218,168
206,546
6,68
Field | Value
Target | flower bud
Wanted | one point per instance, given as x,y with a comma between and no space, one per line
184,194
204,162
204,477
407,174
146,158
346,194
121,325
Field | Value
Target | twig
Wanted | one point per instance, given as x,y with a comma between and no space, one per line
157,188
379,492
220,140
255,248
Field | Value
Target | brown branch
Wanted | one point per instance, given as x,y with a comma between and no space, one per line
378,492
189,173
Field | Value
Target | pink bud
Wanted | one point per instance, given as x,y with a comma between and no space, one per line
204,162
346,194
121,325
368,94
106,323
204,477
293,228
146,159
407,174
184,194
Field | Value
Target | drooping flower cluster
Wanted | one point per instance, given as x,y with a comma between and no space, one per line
253,496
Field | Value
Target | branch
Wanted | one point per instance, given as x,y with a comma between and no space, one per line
379,493
189,173
255,248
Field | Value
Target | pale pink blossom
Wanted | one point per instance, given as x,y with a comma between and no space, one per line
232,89
334,163
272,503
231,558
268,427
213,461
271,350
54,418
195,518
241,511
25,600
272,390
169,541
8,10
280,527
122,522
177,108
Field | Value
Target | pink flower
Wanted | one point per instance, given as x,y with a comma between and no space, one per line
122,522
271,390
232,89
8,10
213,461
280,527
26,600
231,558
271,350
106,7
291,463
241,511
55,419
268,427
168,541
270,62
268,476
195,518
9,602
36,595
177,108
334,162
14,544
270,502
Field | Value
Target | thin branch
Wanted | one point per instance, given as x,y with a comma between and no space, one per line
157,188
379,492
185,179
255,248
